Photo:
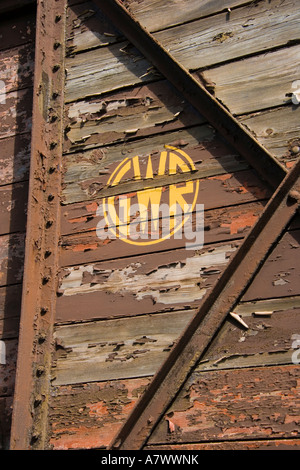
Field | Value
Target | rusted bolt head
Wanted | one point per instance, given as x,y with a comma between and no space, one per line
295,149
40,370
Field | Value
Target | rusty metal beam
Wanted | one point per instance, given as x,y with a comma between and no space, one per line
228,126
195,340
30,410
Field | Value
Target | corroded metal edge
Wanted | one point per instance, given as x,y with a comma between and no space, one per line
29,423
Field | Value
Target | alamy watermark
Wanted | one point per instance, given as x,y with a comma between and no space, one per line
139,224
296,346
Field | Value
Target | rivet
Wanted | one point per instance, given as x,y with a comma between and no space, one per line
47,253
52,169
56,45
55,68
45,280
44,310
295,149
42,338
50,197
57,18
40,370
49,223
53,145
37,401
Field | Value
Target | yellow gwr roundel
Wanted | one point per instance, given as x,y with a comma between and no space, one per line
159,210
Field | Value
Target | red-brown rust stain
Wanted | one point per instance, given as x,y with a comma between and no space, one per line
89,415
239,223
279,276
237,404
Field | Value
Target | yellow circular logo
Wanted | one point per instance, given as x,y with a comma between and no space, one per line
157,211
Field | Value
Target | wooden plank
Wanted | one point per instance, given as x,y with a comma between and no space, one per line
267,340
131,113
81,220
277,130
102,161
271,77
107,69
11,258
6,7
6,404
13,205
279,276
86,174
15,159
15,114
9,328
17,31
115,349
8,370
156,14
84,246
10,301
88,416
149,283
16,67
87,28
247,30
234,404
195,45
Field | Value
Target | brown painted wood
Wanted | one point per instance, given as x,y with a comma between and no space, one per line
8,370
17,30
125,115
13,207
279,275
16,67
88,416
84,246
11,258
232,405
15,159
16,113
144,284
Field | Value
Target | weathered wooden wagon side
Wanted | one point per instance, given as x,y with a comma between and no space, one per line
17,68
167,341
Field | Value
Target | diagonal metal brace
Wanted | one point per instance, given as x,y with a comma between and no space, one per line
217,115
216,305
